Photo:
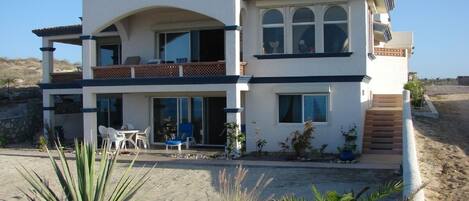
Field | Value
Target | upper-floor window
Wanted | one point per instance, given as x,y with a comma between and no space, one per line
335,30
273,32
303,31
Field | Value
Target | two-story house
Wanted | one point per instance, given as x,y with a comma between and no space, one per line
267,65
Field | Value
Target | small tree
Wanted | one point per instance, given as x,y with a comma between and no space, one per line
299,141
235,140
417,90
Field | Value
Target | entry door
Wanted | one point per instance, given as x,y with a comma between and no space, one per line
216,118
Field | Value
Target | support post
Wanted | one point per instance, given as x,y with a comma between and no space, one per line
89,55
232,50
48,114
47,60
90,119
233,115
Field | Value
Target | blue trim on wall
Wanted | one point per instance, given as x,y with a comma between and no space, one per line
72,85
167,81
89,110
306,79
309,55
47,49
233,110
204,80
87,37
233,28
48,108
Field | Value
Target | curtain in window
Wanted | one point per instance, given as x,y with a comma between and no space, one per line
290,108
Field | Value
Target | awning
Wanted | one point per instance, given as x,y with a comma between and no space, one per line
66,30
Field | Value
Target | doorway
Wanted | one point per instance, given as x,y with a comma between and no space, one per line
206,116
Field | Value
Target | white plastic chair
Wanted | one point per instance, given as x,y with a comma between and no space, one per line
143,137
116,138
104,135
127,126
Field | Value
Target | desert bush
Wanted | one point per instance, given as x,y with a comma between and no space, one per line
299,141
417,90
89,183
232,189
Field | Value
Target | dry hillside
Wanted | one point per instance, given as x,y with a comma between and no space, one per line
28,72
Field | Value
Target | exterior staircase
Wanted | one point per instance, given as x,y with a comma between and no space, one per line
383,125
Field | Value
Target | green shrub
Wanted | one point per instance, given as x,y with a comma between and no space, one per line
3,141
417,90
42,144
300,141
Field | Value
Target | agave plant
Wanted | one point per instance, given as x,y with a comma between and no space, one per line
231,188
89,183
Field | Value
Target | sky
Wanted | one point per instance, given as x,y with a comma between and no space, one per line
441,31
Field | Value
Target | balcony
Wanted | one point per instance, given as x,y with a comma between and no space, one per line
200,69
65,77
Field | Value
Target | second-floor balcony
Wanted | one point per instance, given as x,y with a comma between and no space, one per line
198,69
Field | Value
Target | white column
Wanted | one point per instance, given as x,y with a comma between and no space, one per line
47,60
232,50
232,40
48,113
90,118
233,105
89,55
233,113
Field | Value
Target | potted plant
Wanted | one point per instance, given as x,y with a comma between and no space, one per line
347,152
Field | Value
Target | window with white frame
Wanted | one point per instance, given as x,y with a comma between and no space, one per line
273,32
303,31
299,108
335,30
298,32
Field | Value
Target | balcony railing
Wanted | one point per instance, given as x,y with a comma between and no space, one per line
65,77
201,69
394,52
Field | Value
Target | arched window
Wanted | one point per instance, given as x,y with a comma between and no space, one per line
272,32
335,30
303,31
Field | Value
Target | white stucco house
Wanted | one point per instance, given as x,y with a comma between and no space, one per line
267,65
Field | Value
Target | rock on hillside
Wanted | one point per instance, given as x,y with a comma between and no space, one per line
28,72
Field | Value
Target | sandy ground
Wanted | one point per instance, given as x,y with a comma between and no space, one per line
196,182
443,145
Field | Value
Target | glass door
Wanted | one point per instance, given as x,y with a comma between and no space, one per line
109,111
165,118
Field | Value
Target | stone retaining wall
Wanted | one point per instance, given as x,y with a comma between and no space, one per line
22,127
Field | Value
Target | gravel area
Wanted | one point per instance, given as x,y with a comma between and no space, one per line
199,182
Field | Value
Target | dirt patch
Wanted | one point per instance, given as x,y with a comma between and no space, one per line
443,146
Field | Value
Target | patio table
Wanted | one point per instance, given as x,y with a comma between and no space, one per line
130,136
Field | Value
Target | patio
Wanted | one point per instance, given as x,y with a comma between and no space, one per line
176,179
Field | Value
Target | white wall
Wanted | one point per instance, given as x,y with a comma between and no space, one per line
261,112
389,74
136,110
353,65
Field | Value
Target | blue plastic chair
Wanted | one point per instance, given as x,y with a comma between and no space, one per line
186,134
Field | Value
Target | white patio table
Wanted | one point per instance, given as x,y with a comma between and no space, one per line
130,136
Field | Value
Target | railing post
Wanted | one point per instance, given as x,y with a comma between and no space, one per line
181,71
132,72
